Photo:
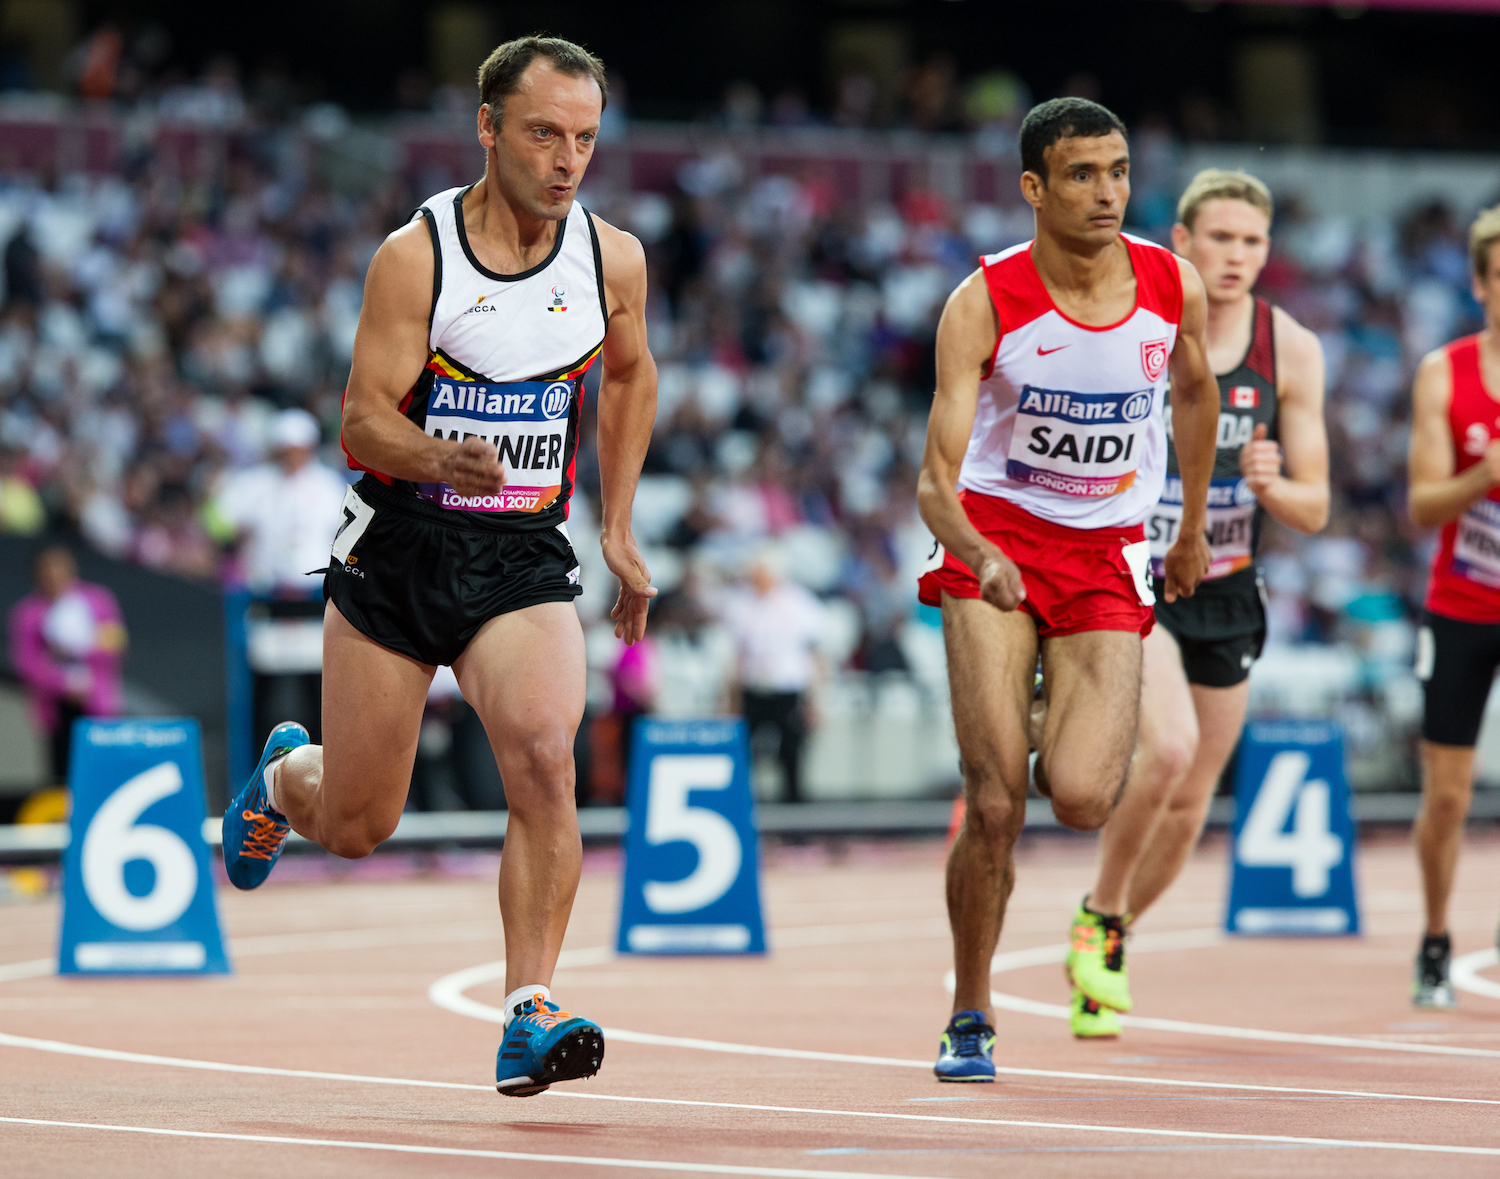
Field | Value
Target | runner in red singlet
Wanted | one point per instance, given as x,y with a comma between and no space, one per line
1454,467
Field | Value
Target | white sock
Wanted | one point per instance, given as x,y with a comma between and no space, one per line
521,995
270,781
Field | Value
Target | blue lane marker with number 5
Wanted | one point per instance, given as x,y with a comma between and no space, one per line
137,894
692,868
1293,837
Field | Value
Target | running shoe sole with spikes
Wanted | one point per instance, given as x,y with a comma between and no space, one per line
544,1045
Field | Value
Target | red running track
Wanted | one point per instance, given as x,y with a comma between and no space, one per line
333,1052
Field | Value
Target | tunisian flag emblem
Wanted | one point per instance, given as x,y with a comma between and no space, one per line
1154,358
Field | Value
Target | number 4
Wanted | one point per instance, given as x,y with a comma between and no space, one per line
1310,849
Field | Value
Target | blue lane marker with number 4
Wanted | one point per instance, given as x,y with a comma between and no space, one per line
692,866
1293,837
137,894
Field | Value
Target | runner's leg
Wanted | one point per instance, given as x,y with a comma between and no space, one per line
1447,788
991,660
1220,716
1165,748
524,674
347,794
1093,686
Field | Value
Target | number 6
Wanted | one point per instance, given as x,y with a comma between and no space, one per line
114,838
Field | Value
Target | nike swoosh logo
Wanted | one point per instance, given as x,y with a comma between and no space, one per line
1040,351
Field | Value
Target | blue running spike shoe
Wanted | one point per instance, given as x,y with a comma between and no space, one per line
966,1047
544,1044
254,834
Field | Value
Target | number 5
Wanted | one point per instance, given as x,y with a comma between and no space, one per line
669,819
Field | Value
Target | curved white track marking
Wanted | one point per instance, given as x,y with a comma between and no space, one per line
1464,973
448,993
577,1160
36,968
722,1169
1195,938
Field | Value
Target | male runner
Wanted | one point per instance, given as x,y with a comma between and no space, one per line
1454,468
480,318
1195,678
1045,450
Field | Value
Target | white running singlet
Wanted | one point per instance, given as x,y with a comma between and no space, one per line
1069,421
508,354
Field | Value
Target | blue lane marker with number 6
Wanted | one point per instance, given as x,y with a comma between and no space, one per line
137,894
692,867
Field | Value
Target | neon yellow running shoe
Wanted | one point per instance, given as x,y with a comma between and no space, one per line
1096,958
1091,1021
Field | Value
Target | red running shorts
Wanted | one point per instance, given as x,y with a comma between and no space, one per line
1076,579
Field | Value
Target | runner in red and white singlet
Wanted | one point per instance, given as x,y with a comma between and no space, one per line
1045,451
1454,468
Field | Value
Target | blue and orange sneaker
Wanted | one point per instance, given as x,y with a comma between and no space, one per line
254,834
966,1047
544,1044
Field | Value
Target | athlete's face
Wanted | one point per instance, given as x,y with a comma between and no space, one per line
1229,243
1084,193
545,139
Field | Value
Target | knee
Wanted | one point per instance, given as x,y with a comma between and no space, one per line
991,815
538,772
1446,805
357,837
1167,760
1081,812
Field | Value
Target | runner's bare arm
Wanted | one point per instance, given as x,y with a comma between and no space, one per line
1195,430
966,339
390,351
627,412
1298,499
1435,494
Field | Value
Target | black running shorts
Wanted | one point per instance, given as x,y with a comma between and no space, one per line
1456,662
1220,630
409,576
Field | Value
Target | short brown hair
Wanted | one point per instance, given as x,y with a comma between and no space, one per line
1484,233
500,75
1215,184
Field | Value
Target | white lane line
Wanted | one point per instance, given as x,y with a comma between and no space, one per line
1464,973
448,993
36,968
1193,939
720,1169
577,1160
137,1058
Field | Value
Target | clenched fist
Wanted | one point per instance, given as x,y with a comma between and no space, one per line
472,467
1260,461
1000,582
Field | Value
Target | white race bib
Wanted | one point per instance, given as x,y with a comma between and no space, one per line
526,421
1083,444
1476,544
1231,526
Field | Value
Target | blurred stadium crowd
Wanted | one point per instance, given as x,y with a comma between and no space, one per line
153,329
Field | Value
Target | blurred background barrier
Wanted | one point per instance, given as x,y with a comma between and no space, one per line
186,227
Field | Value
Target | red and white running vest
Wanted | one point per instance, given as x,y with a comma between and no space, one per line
1069,421
1465,580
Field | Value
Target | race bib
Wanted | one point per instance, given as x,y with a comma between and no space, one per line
1231,526
1084,444
1476,544
526,421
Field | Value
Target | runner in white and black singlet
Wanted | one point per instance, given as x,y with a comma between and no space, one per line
1194,683
480,318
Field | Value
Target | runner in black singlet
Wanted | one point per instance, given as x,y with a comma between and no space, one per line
1194,684
479,320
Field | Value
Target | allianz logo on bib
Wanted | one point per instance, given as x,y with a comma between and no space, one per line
517,401
1086,407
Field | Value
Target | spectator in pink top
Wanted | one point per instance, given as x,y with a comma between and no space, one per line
67,643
